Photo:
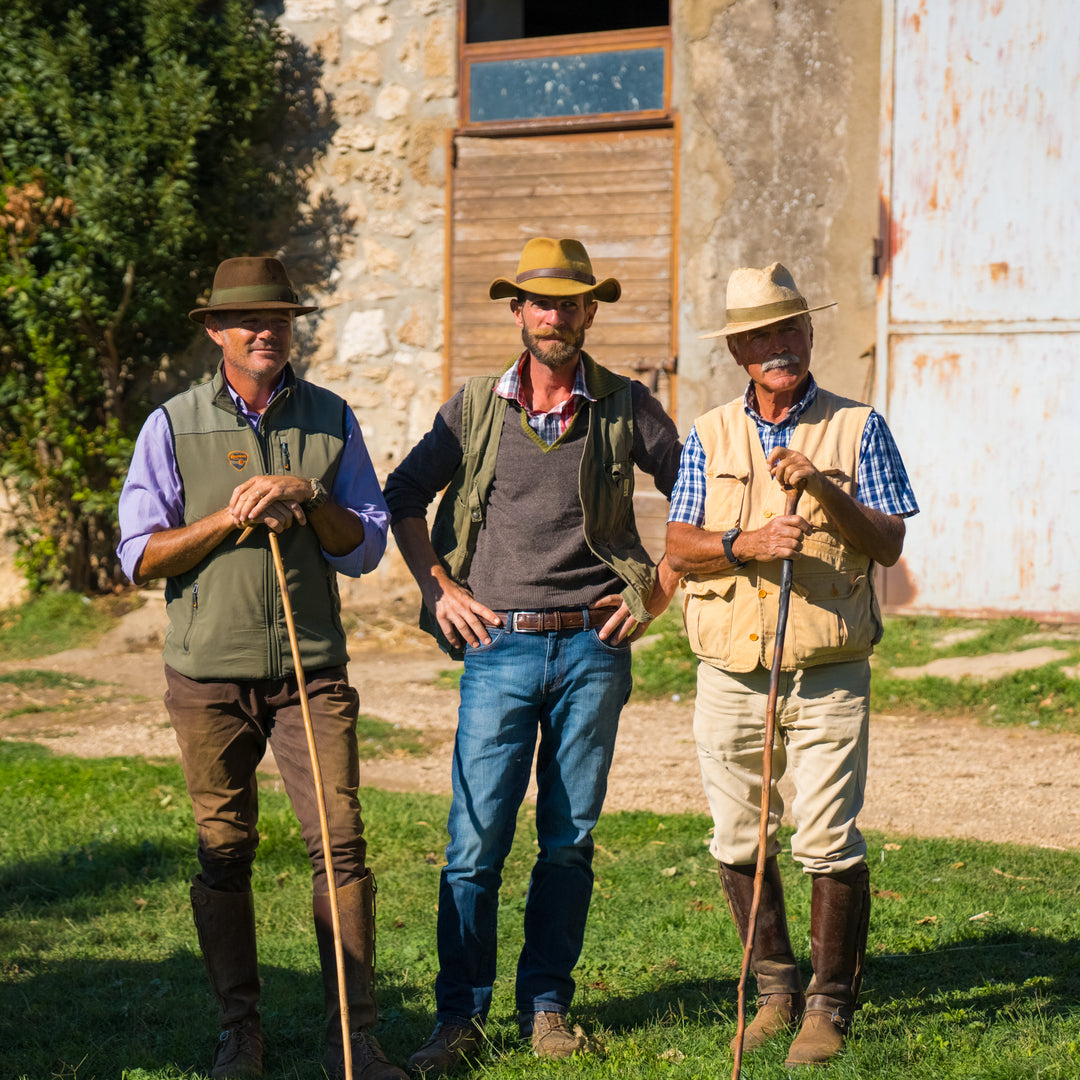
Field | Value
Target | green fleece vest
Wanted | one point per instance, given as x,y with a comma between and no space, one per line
605,486
226,617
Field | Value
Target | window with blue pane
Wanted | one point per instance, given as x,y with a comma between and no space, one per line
564,60
627,80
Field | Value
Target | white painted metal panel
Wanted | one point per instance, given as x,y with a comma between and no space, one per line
989,458
986,156
979,302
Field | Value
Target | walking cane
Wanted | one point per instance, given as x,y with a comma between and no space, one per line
324,828
766,786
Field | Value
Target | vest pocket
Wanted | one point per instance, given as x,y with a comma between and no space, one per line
709,618
830,613
725,496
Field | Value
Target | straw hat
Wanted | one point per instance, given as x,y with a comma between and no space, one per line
760,297
251,285
555,268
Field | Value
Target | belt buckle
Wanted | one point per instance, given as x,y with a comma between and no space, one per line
520,630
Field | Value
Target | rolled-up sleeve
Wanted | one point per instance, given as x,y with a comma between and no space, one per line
357,489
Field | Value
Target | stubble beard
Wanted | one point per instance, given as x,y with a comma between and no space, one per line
558,350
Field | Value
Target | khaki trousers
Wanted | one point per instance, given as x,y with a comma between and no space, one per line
223,729
821,738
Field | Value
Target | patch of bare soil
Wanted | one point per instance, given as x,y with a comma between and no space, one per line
926,777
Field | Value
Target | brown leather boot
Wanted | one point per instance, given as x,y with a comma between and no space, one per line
356,916
779,983
225,922
839,921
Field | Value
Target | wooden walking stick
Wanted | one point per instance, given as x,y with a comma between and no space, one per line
324,828
786,574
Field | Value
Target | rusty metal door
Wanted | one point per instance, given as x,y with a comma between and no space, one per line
979,301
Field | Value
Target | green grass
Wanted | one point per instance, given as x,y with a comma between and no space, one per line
36,679
57,621
382,738
971,973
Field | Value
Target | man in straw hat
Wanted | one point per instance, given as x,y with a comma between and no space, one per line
728,533
257,446
535,574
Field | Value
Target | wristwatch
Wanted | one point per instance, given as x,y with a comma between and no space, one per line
729,539
319,495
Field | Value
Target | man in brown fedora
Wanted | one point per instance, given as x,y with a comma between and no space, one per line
255,445
728,533
533,573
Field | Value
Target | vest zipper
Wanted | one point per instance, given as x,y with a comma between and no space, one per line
194,612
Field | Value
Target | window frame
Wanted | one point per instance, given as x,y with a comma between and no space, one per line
643,37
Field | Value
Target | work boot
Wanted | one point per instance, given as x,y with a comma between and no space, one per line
356,917
225,922
779,982
450,1045
839,921
551,1036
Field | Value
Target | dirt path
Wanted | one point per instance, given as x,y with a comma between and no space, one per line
927,777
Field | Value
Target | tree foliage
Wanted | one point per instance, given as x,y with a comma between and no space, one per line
141,141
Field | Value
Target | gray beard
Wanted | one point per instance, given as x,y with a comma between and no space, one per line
558,353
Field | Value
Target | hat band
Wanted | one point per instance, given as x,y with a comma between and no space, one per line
572,275
254,294
778,310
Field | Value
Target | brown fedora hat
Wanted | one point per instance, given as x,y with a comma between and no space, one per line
251,284
758,298
555,268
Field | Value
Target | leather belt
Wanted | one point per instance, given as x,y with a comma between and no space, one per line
543,622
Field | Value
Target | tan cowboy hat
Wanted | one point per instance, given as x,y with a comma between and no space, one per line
555,268
251,285
760,297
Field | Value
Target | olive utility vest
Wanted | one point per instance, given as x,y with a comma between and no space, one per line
605,487
731,615
226,618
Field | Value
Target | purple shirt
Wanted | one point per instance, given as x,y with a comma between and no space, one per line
152,499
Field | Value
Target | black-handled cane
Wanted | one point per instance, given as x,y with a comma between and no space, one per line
786,574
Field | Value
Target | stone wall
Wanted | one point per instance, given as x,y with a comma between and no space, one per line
390,77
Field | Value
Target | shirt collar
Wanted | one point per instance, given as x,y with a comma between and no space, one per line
793,414
509,386
241,406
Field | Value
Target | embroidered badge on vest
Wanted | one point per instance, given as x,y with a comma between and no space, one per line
238,459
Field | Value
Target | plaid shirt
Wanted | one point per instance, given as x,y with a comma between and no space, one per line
550,426
882,479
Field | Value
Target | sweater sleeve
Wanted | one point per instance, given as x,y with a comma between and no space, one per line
428,467
656,439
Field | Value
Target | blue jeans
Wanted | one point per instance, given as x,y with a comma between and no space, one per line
570,687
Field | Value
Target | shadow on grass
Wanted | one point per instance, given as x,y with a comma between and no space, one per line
963,983
99,1017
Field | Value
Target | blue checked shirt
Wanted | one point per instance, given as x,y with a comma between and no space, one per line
550,426
882,479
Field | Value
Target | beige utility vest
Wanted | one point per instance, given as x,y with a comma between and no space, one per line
731,615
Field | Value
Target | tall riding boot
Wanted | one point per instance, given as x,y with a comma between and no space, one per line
779,983
225,922
356,914
839,921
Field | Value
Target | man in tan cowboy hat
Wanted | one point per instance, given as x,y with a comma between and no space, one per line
535,575
728,533
258,446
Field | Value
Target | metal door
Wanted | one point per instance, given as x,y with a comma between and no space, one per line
979,301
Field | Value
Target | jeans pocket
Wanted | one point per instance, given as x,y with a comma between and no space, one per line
496,633
608,646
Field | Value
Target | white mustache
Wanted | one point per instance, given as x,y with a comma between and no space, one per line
783,360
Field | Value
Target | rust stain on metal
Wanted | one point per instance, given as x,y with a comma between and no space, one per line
999,271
